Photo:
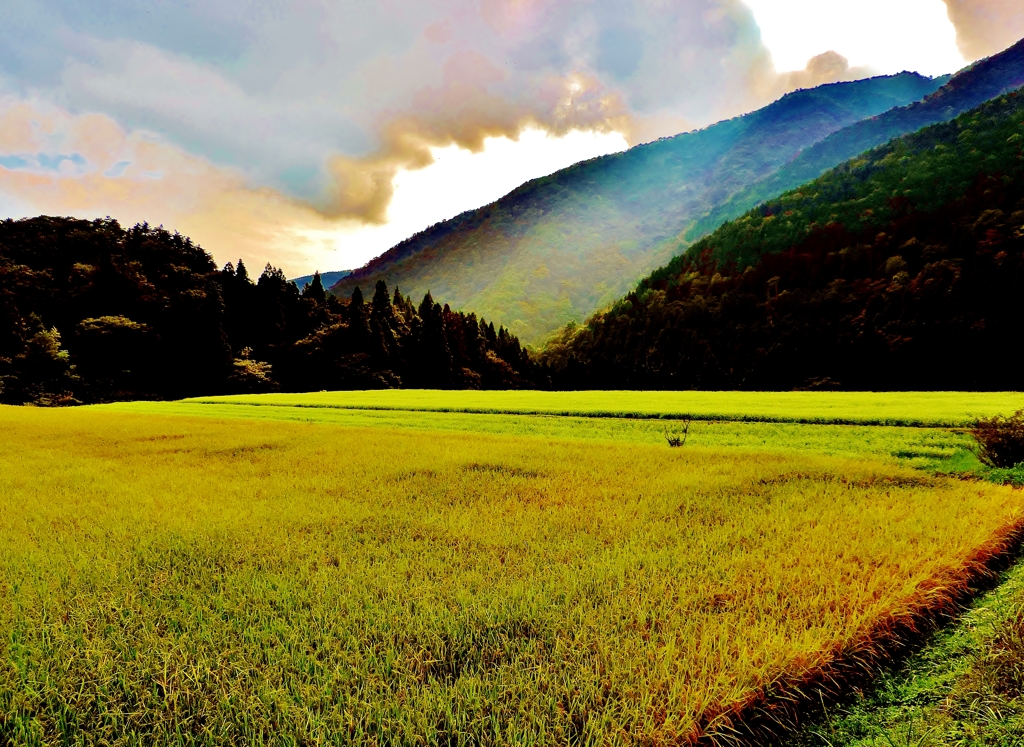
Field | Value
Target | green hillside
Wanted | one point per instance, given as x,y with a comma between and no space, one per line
977,84
560,247
900,269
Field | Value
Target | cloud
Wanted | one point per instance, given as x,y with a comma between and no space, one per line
87,165
258,124
463,113
829,67
322,98
42,137
645,69
984,27
57,163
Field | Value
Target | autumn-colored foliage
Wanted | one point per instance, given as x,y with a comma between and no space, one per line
1000,439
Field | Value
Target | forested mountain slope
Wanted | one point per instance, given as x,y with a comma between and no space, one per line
901,269
977,84
91,312
558,248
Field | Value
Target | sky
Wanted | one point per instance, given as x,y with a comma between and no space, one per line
316,134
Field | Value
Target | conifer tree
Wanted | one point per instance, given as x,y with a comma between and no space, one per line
383,339
381,304
357,319
434,355
314,290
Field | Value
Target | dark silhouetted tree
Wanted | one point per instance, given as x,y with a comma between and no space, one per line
314,290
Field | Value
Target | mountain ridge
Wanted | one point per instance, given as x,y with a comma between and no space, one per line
327,278
969,88
558,247
900,269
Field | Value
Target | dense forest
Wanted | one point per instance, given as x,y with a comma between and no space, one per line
901,269
90,312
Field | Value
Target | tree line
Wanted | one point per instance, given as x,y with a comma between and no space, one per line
92,312
901,269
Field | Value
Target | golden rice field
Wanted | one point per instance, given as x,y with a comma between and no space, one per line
174,577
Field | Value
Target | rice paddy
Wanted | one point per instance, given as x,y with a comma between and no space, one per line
191,573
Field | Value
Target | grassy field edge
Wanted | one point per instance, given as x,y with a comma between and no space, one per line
962,687
613,414
796,699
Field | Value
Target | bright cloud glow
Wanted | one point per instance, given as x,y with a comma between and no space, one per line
54,162
457,181
888,36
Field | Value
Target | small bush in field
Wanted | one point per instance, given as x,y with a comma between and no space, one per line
677,439
1000,440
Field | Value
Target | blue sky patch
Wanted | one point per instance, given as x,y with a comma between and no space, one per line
52,161
43,161
117,170
13,162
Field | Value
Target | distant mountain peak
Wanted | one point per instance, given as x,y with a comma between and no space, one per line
327,278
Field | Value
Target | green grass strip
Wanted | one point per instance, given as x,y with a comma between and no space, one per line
916,409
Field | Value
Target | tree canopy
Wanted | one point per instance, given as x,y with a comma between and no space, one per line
91,312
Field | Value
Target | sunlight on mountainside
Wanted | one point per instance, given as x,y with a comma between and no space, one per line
457,181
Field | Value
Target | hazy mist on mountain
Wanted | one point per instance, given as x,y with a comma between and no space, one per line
560,247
